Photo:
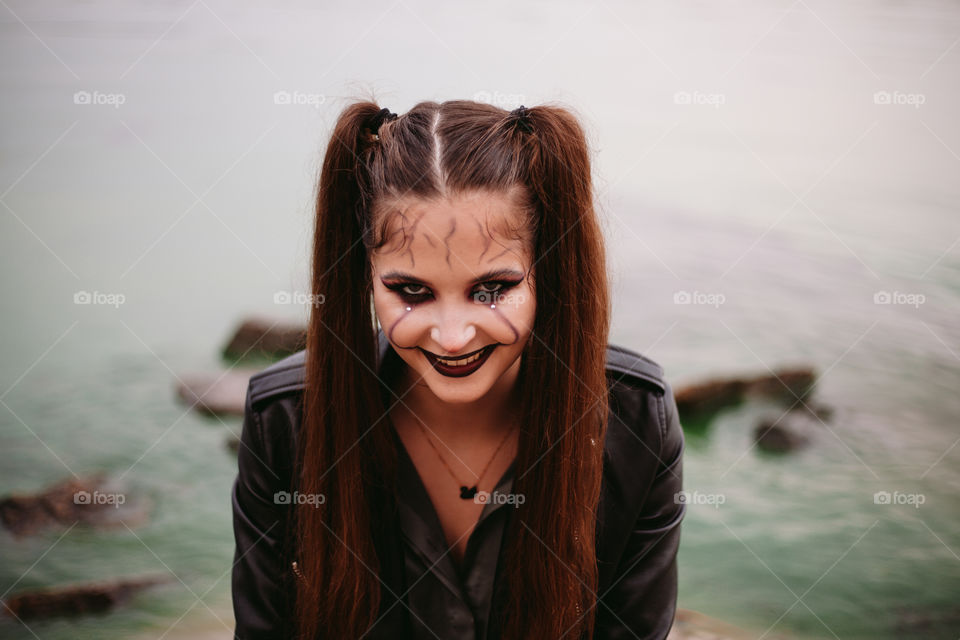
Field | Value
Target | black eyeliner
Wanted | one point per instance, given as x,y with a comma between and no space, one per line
397,287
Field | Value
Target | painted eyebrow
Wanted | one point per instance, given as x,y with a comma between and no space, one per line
493,274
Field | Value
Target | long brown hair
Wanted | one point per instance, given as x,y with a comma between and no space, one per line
433,150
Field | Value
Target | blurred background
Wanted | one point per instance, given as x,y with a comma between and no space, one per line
778,182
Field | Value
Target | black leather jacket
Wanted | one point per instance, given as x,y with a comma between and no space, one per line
638,531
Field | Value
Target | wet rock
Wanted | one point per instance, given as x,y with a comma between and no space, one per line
927,622
699,401
221,393
784,385
709,397
266,338
788,432
78,599
87,500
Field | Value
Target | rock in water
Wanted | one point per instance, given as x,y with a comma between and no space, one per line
261,337
785,433
216,393
709,397
77,599
702,400
84,499
784,385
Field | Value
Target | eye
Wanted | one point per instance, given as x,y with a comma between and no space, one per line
409,291
416,294
500,285
489,292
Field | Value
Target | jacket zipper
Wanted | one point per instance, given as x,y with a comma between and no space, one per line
296,570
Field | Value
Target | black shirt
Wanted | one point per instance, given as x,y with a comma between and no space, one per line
445,602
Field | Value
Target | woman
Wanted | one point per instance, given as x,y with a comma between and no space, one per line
458,453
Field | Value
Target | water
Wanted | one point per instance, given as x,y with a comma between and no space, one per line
782,187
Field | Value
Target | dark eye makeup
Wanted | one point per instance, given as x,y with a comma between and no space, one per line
422,293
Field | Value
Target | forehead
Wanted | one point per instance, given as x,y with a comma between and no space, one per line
475,228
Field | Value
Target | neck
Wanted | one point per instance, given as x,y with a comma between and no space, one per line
466,424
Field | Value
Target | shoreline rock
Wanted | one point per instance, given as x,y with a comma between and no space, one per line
85,499
700,401
265,338
216,394
77,599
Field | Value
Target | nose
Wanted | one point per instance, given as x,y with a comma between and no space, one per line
453,330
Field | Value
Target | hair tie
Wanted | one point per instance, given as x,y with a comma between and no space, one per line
521,116
385,115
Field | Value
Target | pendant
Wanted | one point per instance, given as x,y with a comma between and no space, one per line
467,494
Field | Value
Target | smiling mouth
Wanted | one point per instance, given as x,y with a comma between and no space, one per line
461,365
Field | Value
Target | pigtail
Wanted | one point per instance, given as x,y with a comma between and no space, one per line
339,594
569,373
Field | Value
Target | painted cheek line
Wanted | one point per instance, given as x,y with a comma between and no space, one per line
393,328
516,334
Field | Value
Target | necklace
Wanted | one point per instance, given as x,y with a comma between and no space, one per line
466,493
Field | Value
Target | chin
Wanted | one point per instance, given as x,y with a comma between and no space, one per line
458,390
459,396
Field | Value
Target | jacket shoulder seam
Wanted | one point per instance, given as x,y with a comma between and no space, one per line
635,368
284,376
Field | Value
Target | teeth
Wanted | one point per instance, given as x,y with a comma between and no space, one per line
460,363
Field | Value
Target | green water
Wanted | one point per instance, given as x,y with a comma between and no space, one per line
693,198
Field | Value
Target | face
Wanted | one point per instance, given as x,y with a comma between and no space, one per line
453,292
